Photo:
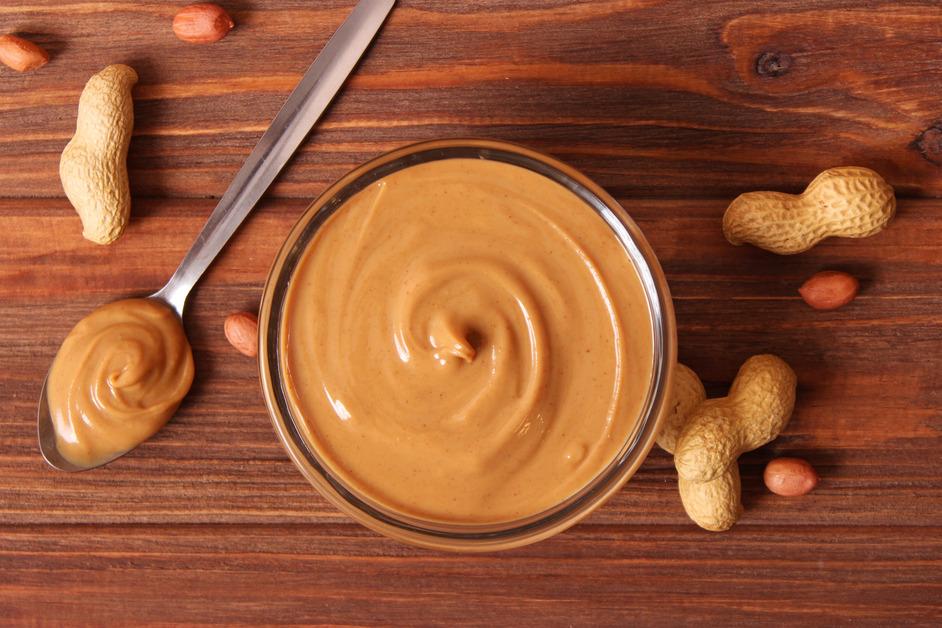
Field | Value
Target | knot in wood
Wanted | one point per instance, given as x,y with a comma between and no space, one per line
929,144
773,64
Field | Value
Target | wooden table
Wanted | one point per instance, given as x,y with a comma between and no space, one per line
675,107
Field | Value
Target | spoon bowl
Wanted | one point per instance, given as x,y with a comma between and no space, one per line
46,431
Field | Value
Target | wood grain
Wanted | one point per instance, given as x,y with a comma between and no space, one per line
648,97
675,107
594,575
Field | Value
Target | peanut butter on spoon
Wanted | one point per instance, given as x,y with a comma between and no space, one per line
117,379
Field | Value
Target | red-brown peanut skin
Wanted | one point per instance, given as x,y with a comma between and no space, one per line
242,332
790,477
829,290
20,54
202,23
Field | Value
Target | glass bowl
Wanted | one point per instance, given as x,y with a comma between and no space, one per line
455,536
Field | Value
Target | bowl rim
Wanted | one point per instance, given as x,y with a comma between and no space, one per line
469,537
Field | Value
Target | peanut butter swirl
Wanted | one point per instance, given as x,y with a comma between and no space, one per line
466,341
117,379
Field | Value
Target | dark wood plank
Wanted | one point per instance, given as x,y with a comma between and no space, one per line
647,96
608,575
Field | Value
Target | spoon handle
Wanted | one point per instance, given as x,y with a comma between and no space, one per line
300,112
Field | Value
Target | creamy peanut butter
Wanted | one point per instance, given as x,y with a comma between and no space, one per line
466,341
117,379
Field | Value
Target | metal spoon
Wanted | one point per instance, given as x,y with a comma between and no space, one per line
298,115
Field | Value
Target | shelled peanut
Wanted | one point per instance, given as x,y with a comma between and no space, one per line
21,54
202,23
241,330
829,290
790,477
